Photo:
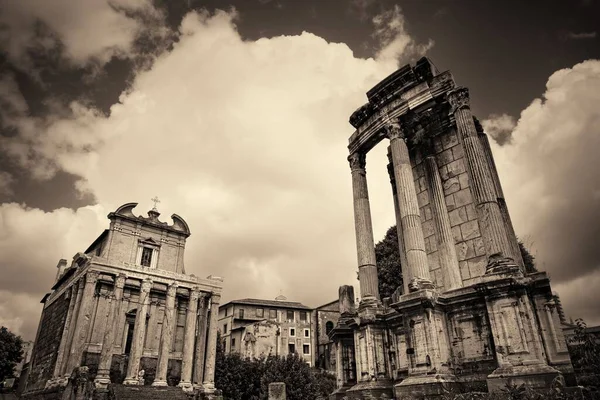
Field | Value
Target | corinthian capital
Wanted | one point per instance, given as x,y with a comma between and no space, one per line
393,130
357,161
459,98
172,289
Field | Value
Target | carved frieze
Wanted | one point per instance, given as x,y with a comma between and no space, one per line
459,98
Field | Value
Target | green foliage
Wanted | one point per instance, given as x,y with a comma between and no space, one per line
389,270
11,353
584,349
528,258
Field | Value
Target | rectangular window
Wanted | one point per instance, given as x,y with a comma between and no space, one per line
306,349
292,332
303,316
232,342
306,332
241,312
273,314
146,257
224,328
226,311
260,312
290,316
291,348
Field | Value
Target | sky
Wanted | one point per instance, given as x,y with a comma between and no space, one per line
235,114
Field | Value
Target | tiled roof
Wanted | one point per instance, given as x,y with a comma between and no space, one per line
272,303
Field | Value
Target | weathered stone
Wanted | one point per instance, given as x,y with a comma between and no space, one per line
462,198
469,230
445,157
451,185
455,168
458,216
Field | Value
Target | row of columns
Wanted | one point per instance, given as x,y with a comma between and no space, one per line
411,241
197,369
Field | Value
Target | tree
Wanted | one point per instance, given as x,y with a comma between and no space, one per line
389,270
11,352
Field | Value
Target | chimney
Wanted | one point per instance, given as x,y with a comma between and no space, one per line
62,263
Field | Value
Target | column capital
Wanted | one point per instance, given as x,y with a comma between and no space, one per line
91,277
459,98
358,161
393,130
146,285
215,298
120,281
172,289
194,293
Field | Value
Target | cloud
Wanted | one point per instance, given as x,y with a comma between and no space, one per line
499,127
6,181
550,176
582,35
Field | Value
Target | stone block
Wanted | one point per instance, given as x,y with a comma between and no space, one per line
422,185
428,228
471,212
479,247
449,140
438,279
437,144
426,213
450,204
456,168
464,250
470,230
458,152
423,198
443,170
418,170
464,180
458,216
445,157
457,234
433,260
477,266
462,197
451,185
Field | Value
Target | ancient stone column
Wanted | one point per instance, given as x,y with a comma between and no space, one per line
417,270
202,323
188,341
103,376
211,351
166,337
401,248
482,184
446,248
139,333
365,246
84,320
79,285
67,331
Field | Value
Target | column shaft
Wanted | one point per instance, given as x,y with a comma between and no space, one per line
446,247
79,285
67,329
166,337
365,246
103,376
412,231
200,355
401,247
482,184
211,352
139,332
188,341
84,320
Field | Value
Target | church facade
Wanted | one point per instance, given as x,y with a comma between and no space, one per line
469,316
126,309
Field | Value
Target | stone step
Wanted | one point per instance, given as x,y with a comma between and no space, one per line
127,392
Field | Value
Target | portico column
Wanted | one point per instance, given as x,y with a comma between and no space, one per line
417,269
139,332
401,248
79,285
211,351
67,331
103,377
446,247
482,184
188,341
365,246
166,337
200,356
84,320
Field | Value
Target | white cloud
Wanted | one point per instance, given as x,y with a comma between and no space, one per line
499,127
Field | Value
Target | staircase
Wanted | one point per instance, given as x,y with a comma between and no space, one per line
128,392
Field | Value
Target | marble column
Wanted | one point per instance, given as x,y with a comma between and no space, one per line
446,248
365,246
482,185
67,332
139,332
211,351
84,319
103,376
401,248
202,324
417,270
166,337
188,341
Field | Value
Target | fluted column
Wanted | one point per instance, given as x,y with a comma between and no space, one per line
103,376
67,331
139,333
482,184
401,248
188,341
365,246
211,351
166,337
79,285
446,248
200,355
417,267
84,320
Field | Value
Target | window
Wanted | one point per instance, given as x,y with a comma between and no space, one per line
291,348
292,332
303,316
328,327
290,316
306,349
232,342
146,257
273,314
306,332
260,312
226,311
241,313
225,328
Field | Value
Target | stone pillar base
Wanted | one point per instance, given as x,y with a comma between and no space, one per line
379,389
340,393
132,381
60,381
186,386
536,376
102,380
162,383
427,386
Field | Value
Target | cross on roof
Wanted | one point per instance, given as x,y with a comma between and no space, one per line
155,200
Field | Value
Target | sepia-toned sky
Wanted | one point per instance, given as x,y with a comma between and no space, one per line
235,114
